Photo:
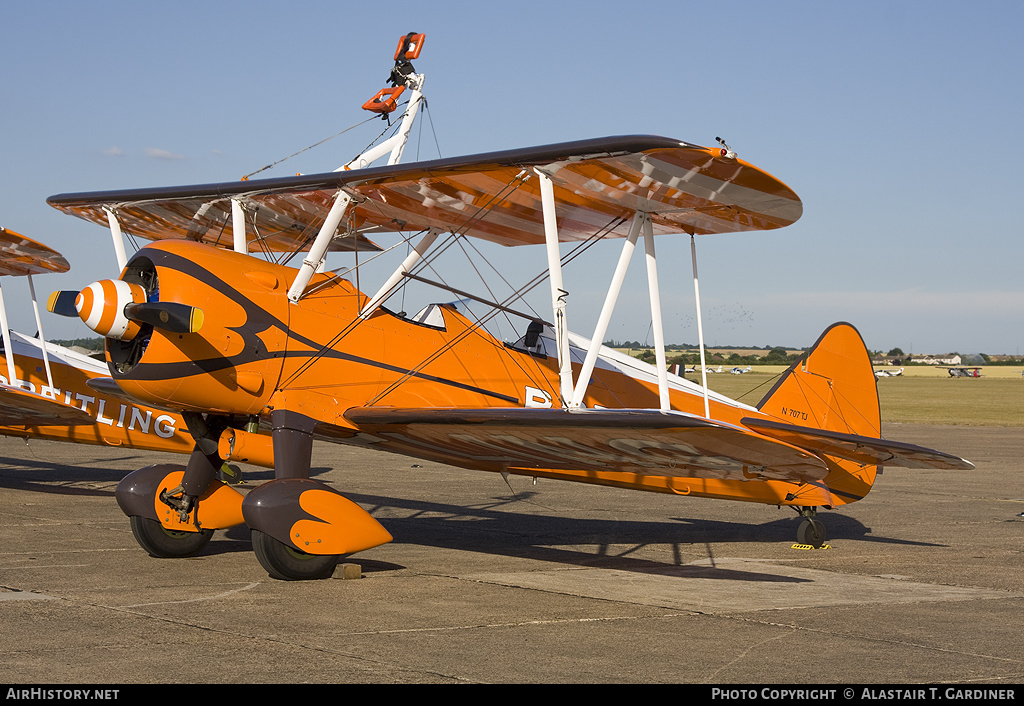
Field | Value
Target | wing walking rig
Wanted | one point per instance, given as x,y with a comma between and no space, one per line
230,340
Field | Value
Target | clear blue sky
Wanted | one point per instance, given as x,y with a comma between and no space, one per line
896,122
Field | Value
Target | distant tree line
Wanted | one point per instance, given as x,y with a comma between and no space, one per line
897,354
93,344
774,356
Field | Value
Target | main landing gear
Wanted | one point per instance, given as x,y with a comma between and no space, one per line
287,563
166,543
300,526
811,531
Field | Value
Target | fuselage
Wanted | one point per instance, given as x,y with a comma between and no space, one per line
257,352
118,422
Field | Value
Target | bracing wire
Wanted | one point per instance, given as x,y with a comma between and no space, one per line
274,164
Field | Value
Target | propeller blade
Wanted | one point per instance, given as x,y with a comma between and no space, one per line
166,316
62,303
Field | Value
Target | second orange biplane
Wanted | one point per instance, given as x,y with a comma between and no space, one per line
228,340
51,392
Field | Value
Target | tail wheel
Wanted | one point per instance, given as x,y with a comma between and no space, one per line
811,532
164,543
289,564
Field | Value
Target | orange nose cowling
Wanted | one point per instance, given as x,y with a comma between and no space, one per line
101,307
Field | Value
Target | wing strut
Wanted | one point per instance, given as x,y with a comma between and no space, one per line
39,328
558,293
641,222
8,350
659,333
318,251
12,378
604,319
238,226
700,329
411,259
118,238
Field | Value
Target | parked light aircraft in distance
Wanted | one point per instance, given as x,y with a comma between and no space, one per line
739,371
962,372
224,337
52,392
888,372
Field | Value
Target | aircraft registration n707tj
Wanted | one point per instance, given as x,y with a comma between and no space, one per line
51,392
197,325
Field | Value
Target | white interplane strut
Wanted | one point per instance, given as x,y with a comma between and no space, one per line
397,276
39,328
118,238
318,251
580,391
659,333
641,222
238,226
558,293
9,351
700,329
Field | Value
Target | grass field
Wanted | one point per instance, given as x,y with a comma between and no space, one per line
920,396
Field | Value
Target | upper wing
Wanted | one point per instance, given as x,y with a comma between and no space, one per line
21,407
21,256
862,449
636,441
599,185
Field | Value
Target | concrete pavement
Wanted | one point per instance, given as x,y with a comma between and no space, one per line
545,582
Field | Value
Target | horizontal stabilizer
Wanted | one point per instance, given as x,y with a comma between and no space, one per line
860,449
641,441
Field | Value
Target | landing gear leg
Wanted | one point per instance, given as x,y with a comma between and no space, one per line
810,531
293,449
203,466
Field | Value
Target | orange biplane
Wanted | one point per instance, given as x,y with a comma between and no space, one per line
52,392
196,324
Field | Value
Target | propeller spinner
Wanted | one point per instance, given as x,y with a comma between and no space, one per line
117,309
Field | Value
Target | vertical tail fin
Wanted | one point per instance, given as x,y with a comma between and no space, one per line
833,387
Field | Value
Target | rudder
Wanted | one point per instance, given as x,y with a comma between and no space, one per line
832,387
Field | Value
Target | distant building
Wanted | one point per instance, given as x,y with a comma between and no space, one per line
936,360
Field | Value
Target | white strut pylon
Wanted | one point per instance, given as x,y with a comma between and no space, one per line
558,293
700,329
659,333
580,391
39,328
117,237
238,226
411,259
318,251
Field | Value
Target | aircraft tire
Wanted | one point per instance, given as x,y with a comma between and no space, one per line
289,564
811,532
163,543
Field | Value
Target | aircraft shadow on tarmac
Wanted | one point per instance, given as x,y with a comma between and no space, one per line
501,527
44,476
